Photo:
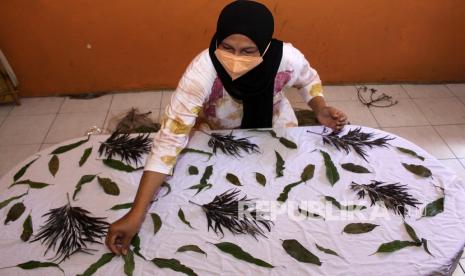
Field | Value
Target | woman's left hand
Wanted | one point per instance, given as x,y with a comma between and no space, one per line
332,117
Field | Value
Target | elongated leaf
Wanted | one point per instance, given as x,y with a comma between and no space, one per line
411,152
15,212
359,228
156,222
85,156
240,254
394,246
344,207
206,175
193,170
190,150
7,201
261,179
299,252
109,187
331,171
54,165
168,188
279,165
104,259
122,206
200,187
326,250
307,173
135,242
23,170
287,143
351,167
310,214
69,147
84,180
434,208
174,265
27,229
182,217
424,242
129,264
411,232
118,165
191,247
36,264
31,184
233,179
285,193
419,170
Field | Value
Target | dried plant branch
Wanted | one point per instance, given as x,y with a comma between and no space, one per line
126,147
230,145
382,100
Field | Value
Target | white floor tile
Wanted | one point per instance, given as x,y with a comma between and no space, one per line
71,125
442,111
115,116
357,113
12,155
140,100
394,90
455,166
5,109
404,113
2,119
100,104
458,271
17,130
339,92
166,99
427,90
454,135
458,89
426,138
38,106
46,146
462,161
462,99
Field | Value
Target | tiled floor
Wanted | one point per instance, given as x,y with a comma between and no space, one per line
432,116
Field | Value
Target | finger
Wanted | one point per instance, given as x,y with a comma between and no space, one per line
114,242
343,118
125,244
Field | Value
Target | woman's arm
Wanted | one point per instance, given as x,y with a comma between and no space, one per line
327,115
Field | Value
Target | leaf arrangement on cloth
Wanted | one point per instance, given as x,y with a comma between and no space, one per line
223,211
285,142
394,196
71,229
230,145
129,149
355,140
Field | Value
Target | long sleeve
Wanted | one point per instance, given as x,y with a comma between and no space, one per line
180,116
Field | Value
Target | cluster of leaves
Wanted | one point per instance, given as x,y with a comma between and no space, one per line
204,184
230,145
129,149
284,141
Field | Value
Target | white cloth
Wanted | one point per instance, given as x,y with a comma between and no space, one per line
444,232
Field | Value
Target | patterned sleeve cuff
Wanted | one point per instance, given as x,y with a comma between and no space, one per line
163,165
312,90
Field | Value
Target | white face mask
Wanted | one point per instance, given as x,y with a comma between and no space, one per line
237,66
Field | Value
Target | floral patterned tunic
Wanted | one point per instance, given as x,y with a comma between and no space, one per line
201,102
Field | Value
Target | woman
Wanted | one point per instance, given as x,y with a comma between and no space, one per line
237,83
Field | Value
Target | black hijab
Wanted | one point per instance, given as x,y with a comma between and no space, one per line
255,88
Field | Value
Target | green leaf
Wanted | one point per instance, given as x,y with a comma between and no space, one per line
240,254
31,184
193,170
118,165
84,180
394,246
272,133
200,187
331,171
326,250
190,150
434,208
279,165
411,152
285,193
174,265
69,147
300,253
54,165
359,228
109,187
307,173
35,264
156,222
351,167
206,175
135,242
183,218
7,201
261,179
23,170
309,214
424,242
418,170
104,259
122,206
411,232
167,186
85,156
287,143
344,207
15,212
129,264
27,229
191,247
233,179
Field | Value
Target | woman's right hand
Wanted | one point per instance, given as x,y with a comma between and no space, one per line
121,232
